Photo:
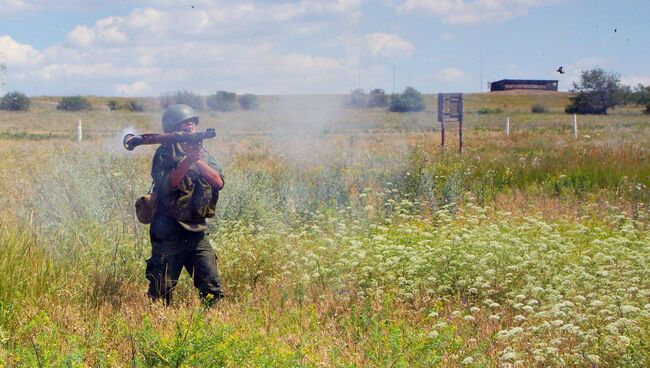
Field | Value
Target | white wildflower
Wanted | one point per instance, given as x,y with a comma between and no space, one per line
508,355
557,323
593,358
624,340
528,309
626,309
612,329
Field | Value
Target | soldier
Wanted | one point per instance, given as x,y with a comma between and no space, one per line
187,182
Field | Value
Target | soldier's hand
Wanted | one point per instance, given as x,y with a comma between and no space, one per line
193,152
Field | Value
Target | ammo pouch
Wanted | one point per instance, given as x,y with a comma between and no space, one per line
145,207
194,201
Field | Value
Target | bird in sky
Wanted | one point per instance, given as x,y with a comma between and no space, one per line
560,70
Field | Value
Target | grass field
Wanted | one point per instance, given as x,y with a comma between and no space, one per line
346,238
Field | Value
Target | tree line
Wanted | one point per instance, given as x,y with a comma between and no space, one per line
220,101
409,100
596,92
599,90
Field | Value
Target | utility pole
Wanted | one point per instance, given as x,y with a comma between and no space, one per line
481,75
393,80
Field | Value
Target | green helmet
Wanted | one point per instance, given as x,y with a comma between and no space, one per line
176,114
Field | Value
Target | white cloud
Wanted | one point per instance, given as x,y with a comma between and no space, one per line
166,46
146,20
308,63
137,88
81,36
452,75
389,45
105,31
174,22
15,54
12,7
634,80
471,11
56,71
290,10
344,6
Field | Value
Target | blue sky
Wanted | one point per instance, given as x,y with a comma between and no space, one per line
146,48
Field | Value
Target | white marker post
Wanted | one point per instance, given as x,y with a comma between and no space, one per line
508,125
79,133
575,126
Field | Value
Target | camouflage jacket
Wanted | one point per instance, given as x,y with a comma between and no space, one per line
194,199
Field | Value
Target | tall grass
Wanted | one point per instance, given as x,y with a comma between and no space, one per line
28,273
345,238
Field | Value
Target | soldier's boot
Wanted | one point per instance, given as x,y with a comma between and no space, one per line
210,300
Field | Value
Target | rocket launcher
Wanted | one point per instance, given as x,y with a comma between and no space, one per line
131,140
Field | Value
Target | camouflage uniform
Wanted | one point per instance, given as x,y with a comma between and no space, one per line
178,228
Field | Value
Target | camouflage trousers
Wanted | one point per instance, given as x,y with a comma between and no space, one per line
174,248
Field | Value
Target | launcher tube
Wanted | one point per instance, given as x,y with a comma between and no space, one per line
131,140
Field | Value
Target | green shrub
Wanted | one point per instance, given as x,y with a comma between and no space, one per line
597,91
222,101
409,100
538,109
131,105
584,103
377,98
14,101
73,103
135,106
485,110
181,97
249,102
112,105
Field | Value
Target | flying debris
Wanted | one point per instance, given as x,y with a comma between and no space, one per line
560,70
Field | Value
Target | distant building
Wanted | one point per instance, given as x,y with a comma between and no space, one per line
527,84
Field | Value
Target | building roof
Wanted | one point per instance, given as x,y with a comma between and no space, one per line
534,81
